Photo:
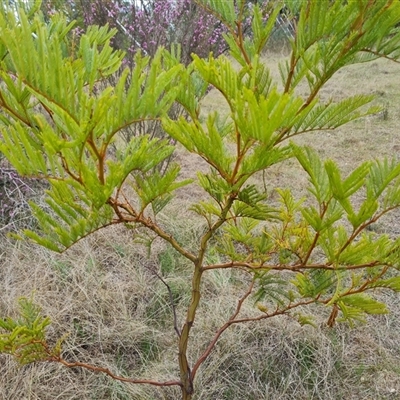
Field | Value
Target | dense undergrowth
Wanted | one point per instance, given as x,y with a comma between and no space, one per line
98,293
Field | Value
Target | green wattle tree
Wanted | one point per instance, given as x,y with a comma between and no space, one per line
58,122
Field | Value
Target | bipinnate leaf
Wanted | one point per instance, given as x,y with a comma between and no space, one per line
192,89
260,29
389,283
355,306
206,141
73,211
272,288
69,138
324,43
318,176
217,187
259,118
317,116
207,209
156,188
24,337
259,79
225,10
314,283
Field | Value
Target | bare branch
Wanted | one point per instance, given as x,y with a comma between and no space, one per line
110,374
220,331
232,320
171,299
294,268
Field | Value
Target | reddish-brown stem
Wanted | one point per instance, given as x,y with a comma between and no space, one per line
316,237
99,156
171,300
380,55
357,231
233,321
13,112
68,171
113,222
293,62
147,222
134,217
110,374
293,268
335,310
221,330
36,90
333,316
116,206
49,112
234,264
365,285
125,125
240,153
239,42
53,356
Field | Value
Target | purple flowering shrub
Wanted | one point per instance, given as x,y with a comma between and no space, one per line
146,25
164,22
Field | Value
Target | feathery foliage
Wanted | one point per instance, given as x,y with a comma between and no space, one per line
59,124
24,338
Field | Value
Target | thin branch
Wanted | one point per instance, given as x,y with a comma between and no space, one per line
234,264
363,288
221,330
380,55
52,100
171,299
317,235
49,112
64,163
292,268
284,136
233,321
126,125
289,307
126,206
134,217
363,226
53,355
366,284
110,223
110,374
293,63
13,112
239,41
99,155
148,223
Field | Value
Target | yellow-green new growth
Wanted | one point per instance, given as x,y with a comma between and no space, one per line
62,121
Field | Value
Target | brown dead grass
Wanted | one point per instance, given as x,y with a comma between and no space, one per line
117,313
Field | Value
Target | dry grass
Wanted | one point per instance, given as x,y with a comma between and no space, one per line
103,292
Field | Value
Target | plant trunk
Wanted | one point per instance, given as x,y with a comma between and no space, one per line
186,378
185,372
185,394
